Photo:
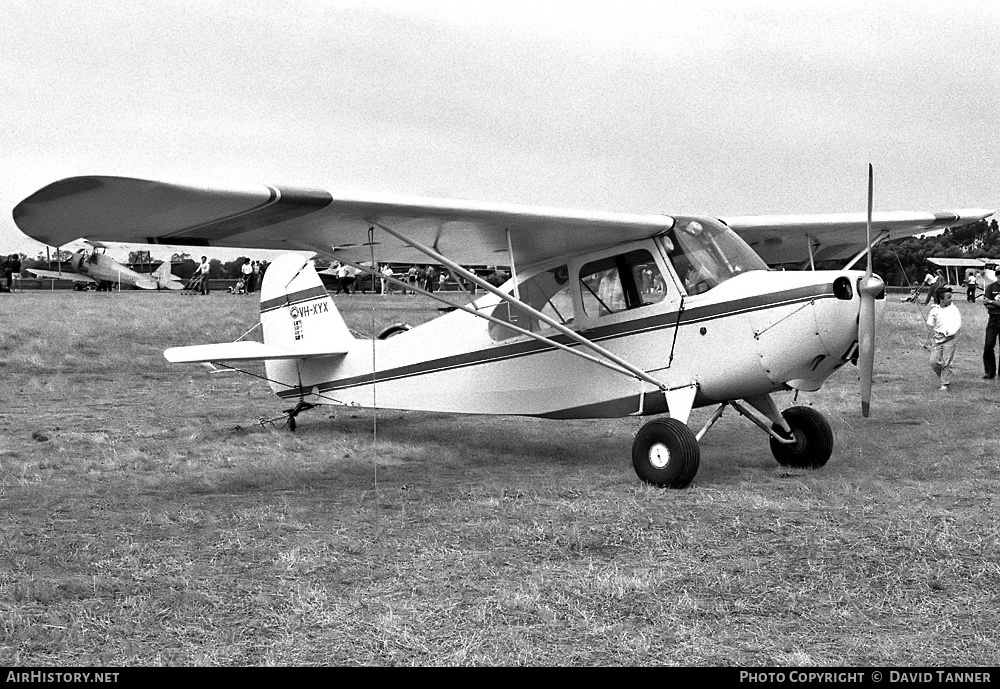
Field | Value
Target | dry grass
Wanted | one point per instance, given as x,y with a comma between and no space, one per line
148,519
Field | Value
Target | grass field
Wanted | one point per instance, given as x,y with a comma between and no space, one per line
150,518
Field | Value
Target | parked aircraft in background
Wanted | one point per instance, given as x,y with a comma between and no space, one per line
605,314
97,269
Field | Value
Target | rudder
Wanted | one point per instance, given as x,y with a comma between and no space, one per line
297,313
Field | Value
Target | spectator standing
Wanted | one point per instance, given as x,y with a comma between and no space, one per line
202,271
254,276
247,271
991,300
386,273
411,278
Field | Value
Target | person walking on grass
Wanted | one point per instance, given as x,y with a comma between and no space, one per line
943,324
935,287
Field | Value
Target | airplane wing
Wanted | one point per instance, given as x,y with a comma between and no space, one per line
266,217
837,236
75,277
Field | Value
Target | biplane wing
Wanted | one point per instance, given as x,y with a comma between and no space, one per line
47,274
837,236
294,219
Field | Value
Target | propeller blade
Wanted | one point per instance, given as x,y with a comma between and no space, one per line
870,286
868,226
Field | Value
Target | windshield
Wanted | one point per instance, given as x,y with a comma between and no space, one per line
707,253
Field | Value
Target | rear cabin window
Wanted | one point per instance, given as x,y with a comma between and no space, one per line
548,292
618,283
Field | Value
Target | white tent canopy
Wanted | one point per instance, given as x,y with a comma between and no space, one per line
955,268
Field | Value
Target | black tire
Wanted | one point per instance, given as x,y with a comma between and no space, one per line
291,424
665,453
813,439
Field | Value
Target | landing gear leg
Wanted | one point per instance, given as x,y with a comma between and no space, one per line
665,453
295,411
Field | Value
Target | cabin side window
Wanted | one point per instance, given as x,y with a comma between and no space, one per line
548,292
618,283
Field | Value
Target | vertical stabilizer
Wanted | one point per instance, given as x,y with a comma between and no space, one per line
165,279
296,312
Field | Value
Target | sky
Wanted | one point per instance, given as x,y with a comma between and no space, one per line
721,108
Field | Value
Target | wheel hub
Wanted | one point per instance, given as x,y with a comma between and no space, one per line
800,440
659,455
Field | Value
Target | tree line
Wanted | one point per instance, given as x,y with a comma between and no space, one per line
903,262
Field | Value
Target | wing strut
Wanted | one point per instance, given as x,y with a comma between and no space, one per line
479,314
884,234
469,275
513,268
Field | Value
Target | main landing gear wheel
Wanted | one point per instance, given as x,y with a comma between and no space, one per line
813,439
665,453
394,329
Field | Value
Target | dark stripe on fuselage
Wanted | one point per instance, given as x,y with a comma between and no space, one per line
293,298
616,330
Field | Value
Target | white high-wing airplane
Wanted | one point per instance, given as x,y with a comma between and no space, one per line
605,315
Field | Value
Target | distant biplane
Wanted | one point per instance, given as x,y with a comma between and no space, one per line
605,314
96,269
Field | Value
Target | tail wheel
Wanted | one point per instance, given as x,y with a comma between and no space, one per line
813,439
665,453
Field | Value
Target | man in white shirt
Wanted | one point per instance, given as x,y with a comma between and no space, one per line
943,324
202,271
345,279
247,271
386,274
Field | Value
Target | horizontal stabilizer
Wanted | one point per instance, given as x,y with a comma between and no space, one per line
245,350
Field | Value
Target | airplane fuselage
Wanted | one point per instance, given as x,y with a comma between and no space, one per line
755,333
